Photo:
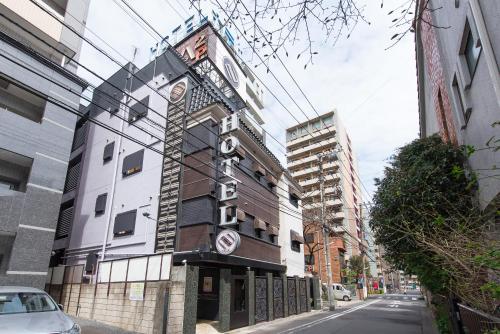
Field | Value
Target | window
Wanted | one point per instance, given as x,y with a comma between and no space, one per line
25,302
258,233
296,239
471,50
21,101
108,152
309,238
309,259
138,110
124,223
328,120
6,245
14,171
295,246
460,101
133,163
65,220
100,204
316,125
294,200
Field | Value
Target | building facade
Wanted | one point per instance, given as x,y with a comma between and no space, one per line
181,171
326,136
35,134
459,83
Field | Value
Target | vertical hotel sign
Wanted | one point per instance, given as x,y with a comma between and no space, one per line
228,240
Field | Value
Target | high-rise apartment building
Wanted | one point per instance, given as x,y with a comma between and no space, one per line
36,50
326,136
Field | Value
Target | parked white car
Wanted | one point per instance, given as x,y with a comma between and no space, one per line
340,292
32,311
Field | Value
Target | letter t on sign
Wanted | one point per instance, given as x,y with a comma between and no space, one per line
229,123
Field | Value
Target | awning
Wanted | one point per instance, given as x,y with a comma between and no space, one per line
257,168
259,224
273,230
294,191
240,215
272,180
296,237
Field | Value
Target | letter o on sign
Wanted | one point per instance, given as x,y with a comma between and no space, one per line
227,241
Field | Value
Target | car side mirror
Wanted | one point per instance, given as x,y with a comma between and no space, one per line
61,307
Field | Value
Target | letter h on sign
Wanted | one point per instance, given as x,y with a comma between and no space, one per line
228,190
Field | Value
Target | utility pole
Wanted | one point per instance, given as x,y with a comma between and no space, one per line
326,238
363,250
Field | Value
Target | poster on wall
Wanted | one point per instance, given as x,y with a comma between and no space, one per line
207,284
136,291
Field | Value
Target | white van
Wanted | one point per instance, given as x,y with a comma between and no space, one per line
340,292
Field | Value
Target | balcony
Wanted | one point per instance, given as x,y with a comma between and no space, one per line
315,169
313,148
36,20
331,203
315,180
315,134
302,161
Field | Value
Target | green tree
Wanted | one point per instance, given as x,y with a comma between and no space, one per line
425,215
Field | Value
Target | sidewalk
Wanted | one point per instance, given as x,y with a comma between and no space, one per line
207,327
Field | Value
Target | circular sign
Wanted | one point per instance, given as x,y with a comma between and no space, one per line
231,73
227,241
177,92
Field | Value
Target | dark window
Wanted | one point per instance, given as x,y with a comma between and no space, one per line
309,259
444,121
459,98
138,110
108,152
258,233
273,239
295,245
124,223
471,52
100,204
6,244
133,163
246,227
294,200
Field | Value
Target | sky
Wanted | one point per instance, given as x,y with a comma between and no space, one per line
373,90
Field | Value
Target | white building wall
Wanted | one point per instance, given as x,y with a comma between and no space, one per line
290,219
139,191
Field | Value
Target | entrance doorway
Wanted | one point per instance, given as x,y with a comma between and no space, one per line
239,301
208,294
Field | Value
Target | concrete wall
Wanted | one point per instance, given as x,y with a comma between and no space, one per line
116,309
32,215
481,96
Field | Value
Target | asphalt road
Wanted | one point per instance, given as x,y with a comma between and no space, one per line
388,314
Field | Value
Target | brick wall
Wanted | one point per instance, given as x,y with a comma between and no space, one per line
440,97
115,308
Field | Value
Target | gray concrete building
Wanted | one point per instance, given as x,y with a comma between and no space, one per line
36,135
458,52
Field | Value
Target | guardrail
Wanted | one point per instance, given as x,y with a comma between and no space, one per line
477,322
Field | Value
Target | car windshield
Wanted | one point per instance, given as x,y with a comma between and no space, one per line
25,302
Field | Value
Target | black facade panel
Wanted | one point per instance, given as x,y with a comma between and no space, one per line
132,163
108,152
124,223
200,137
100,204
198,210
138,110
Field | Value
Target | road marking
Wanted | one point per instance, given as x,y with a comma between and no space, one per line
405,298
330,317
413,298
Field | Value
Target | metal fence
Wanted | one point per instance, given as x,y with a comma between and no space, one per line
477,322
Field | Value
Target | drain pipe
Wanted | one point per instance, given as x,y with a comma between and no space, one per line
115,171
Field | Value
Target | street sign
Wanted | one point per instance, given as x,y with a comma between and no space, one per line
227,241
